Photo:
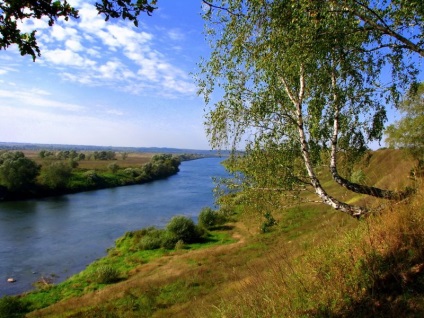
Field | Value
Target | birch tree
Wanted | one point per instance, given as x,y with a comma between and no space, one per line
298,79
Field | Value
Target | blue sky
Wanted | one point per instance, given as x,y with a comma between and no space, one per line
108,83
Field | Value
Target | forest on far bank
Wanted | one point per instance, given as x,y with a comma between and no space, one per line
34,174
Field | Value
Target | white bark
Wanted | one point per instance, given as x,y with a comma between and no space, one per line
353,211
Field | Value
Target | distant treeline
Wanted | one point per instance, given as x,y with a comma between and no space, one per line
22,178
15,146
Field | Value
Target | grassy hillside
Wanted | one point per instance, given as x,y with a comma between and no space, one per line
315,262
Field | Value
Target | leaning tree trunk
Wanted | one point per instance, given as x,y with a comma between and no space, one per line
355,187
354,211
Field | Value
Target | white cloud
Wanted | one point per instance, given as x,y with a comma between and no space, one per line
74,45
90,51
67,58
176,35
37,98
114,112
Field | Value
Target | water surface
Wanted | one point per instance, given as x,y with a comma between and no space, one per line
62,235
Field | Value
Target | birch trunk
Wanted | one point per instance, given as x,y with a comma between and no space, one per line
354,211
355,187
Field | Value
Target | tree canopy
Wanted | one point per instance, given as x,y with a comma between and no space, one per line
14,11
17,173
302,82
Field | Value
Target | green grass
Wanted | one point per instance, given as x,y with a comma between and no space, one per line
122,258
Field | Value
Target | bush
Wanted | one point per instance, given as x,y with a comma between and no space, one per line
207,218
179,245
113,167
56,174
183,228
151,240
11,307
106,275
269,222
169,240
91,176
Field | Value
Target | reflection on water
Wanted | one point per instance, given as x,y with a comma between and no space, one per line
62,235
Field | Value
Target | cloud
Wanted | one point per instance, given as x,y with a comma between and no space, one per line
36,98
91,52
114,112
176,35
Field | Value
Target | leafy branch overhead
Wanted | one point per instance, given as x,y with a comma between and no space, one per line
13,12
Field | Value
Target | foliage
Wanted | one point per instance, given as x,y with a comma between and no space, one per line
12,307
106,274
268,223
104,155
56,175
300,79
17,173
113,167
62,155
209,218
183,229
12,11
408,132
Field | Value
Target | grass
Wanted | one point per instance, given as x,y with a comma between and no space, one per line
315,262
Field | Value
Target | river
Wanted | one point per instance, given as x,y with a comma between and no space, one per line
60,236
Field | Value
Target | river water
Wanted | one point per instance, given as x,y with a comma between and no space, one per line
60,236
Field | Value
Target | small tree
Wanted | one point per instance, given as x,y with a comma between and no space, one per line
56,174
183,228
17,172
208,218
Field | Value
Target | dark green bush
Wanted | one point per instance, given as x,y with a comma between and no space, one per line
269,222
11,307
183,228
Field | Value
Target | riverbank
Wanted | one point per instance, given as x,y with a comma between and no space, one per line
123,261
61,235
64,179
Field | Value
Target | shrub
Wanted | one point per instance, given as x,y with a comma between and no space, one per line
179,245
207,218
11,307
151,241
268,223
113,167
183,228
91,176
169,240
106,274
56,174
